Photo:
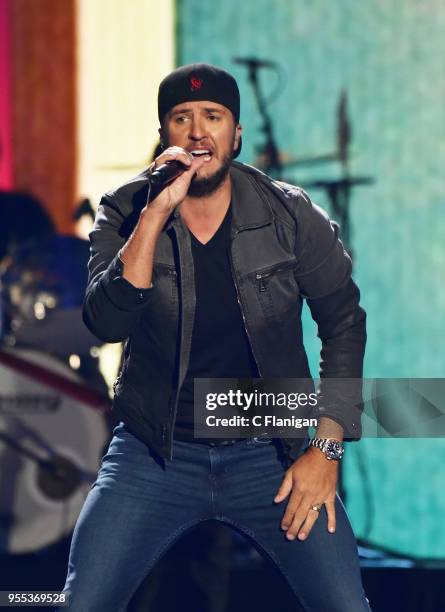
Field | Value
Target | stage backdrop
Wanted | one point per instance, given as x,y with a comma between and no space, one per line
389,59
5,97
43,73
124,49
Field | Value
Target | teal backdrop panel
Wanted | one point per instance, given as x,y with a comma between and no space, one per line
389,59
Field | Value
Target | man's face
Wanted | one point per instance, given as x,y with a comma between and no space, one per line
203,128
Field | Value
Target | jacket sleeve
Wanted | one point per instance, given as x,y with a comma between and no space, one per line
324,276
112,305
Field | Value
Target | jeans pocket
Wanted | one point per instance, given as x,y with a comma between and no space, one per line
261,441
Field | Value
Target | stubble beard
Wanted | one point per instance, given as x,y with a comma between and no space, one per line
205,186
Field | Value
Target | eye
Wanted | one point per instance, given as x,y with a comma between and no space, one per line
181,118
213,117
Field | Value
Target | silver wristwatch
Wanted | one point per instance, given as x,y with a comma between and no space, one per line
333,449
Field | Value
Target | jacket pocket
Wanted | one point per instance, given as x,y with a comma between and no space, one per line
277,290
165,280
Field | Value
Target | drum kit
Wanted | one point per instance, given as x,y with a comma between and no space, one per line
53,400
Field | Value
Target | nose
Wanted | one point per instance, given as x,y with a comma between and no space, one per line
197,131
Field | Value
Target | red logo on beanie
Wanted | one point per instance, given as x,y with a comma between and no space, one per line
195,83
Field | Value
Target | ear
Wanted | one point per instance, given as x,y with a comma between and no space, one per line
238,133
161,139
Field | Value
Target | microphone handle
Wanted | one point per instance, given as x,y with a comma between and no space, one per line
166,173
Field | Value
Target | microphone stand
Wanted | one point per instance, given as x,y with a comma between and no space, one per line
339,190
270,149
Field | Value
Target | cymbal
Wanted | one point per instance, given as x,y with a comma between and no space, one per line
349,181
307,161
287,161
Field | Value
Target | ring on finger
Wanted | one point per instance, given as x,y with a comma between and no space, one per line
316,507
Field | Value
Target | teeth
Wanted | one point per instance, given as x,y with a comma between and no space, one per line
200,152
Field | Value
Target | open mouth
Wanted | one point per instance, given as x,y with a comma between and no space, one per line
206,153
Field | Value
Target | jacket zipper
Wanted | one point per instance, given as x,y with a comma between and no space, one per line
172,274
116,382
261,284
119,377
273,269
261,276
174,398
238,297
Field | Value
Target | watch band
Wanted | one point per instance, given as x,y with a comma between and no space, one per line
331,448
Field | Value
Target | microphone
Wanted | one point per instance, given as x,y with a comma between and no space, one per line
166,173
253,62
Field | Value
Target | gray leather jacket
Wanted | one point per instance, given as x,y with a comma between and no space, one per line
283,249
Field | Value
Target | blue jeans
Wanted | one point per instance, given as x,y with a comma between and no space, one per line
140,505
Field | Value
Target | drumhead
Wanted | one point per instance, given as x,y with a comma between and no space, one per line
50,451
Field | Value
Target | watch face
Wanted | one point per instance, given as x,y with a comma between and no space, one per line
334,449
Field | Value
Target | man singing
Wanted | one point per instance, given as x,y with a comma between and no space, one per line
207,280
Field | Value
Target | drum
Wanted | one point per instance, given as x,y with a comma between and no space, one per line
43,285
53,433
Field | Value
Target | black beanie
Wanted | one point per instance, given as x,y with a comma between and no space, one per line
195,82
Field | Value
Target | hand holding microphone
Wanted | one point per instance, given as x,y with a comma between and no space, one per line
168,189
170,178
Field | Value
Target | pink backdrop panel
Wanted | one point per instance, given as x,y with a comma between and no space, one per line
5,97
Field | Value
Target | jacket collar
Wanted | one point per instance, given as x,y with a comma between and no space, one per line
250,206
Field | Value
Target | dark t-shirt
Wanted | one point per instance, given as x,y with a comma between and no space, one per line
220,348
